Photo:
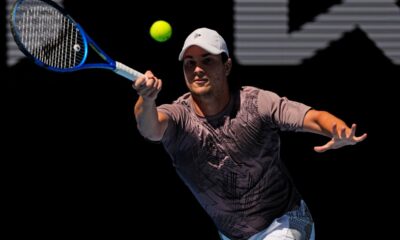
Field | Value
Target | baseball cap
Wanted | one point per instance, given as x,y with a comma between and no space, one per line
207,39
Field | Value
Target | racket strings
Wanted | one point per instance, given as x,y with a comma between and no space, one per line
48,35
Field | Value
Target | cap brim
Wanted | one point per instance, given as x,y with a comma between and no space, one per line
209,49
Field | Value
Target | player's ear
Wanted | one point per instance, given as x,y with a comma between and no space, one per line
228,66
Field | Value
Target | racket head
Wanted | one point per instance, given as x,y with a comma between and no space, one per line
45,32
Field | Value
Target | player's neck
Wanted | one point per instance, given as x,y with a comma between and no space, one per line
210,106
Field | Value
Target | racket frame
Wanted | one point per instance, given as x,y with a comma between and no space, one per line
86,41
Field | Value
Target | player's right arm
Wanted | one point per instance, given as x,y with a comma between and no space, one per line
150,123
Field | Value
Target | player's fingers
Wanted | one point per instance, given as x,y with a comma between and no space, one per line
139,82
158,85
353,130
149,74
324,148
334,131
150,82
360,138
343,132
320,149
156,82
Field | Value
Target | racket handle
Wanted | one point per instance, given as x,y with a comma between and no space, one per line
126,71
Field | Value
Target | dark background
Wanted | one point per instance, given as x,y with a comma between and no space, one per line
75,165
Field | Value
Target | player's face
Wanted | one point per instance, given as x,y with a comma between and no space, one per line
205,73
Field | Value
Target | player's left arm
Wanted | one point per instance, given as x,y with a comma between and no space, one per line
325,123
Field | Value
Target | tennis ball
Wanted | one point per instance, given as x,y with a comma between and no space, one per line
160,31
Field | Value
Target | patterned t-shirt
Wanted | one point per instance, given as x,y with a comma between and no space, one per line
231,161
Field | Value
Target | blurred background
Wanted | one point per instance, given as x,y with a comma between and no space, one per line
75,165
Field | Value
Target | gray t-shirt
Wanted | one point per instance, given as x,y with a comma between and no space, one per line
231,161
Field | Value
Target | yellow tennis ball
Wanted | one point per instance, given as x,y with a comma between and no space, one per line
160,31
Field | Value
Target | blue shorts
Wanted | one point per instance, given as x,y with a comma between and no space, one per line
295,225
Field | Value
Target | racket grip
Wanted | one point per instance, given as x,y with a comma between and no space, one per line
126,71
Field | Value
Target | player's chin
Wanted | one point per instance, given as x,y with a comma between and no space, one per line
201,91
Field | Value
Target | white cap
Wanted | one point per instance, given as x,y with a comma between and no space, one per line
207,39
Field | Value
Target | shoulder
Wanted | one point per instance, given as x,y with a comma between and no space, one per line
248,91
177,107
183,100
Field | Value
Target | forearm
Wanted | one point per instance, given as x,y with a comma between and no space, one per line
322,122
147,118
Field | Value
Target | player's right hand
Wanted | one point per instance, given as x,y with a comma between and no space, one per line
147,86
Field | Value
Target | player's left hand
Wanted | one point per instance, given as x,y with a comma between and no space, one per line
340,138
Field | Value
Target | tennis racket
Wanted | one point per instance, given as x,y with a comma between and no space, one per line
46,34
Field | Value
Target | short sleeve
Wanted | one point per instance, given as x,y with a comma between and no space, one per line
287,115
